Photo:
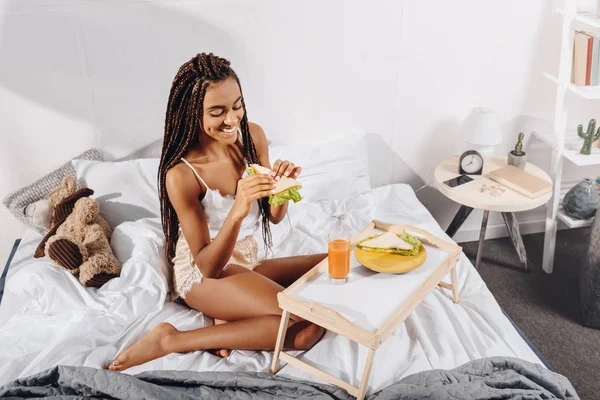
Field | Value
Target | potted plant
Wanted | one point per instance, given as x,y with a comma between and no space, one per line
589,137
518,157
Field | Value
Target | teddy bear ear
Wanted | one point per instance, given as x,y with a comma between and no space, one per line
62,210
100,279
69,182
40,250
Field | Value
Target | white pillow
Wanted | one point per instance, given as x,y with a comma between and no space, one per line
331,170
125,190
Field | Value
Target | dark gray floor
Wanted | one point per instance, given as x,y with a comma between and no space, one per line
544,306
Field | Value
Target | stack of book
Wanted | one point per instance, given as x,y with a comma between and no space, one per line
586,59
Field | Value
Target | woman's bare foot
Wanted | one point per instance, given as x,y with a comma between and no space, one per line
151,347
223,352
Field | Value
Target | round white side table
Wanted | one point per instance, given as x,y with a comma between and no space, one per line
477,194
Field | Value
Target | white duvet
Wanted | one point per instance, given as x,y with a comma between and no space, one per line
48,318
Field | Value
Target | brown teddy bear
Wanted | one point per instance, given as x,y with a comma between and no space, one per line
80,244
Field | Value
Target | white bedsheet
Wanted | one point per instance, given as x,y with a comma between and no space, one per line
48,318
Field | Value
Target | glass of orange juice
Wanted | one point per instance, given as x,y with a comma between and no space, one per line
339,256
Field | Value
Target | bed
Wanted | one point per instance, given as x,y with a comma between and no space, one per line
47,318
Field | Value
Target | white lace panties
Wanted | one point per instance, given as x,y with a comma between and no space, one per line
186,274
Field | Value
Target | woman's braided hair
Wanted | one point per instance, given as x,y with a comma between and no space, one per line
183,122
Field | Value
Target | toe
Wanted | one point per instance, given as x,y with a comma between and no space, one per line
118,363
224,353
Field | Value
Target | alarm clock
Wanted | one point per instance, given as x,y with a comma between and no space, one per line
470,163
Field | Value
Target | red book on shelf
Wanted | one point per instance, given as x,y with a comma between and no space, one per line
582,58
588,68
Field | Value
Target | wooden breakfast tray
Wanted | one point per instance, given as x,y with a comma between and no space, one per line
379,308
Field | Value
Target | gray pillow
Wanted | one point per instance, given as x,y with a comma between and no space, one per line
18,200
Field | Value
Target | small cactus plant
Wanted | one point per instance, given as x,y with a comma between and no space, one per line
517,157
518,151
589,137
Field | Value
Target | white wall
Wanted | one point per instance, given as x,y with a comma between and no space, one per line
76,74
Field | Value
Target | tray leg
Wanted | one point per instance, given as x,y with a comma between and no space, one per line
454,281
365,378
285,317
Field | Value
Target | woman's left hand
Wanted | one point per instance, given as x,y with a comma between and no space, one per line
285,168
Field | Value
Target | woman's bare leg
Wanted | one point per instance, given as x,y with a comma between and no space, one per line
287,270
284,271
258,333
247,298
233,270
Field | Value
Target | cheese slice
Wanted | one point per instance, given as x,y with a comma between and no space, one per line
387,240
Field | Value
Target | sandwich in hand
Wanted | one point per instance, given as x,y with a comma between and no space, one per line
286,188
388,242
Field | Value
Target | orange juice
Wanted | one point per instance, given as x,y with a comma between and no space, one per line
339,258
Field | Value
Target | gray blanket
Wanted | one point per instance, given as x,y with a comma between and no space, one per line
489,378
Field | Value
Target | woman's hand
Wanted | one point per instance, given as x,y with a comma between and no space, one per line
249,190
285,168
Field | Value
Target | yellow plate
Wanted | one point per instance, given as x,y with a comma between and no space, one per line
388,262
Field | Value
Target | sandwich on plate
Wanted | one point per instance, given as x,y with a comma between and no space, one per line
402,244
286,188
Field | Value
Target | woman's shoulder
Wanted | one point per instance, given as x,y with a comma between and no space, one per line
178,173
181,181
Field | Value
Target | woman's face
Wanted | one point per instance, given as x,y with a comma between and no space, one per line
223,111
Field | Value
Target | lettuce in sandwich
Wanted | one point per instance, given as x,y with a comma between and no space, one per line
388,242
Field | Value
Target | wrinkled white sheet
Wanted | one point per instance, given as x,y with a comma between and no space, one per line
48,318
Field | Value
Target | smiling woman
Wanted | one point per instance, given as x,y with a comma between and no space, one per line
210,209
224,110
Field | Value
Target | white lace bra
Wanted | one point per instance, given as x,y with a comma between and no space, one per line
217,206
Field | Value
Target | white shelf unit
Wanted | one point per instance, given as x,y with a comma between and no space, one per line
587,92
587,19
566,144
573,223
572,148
